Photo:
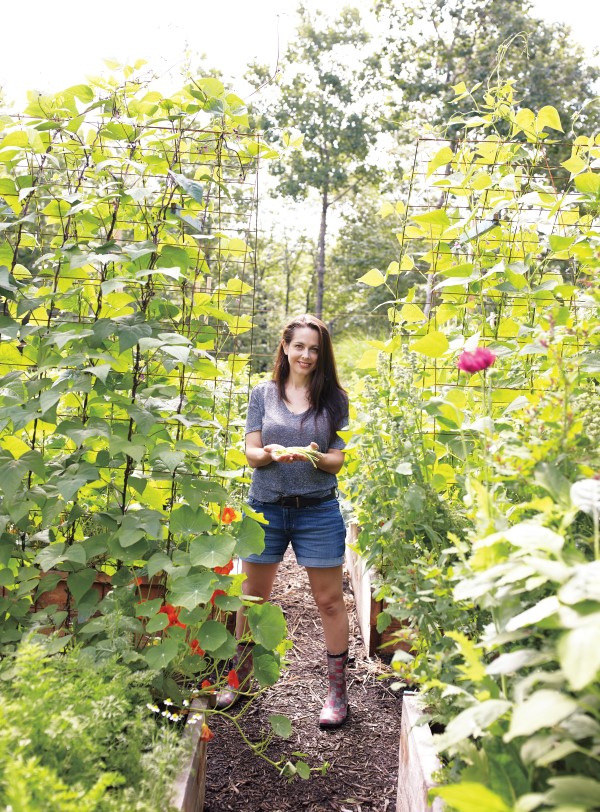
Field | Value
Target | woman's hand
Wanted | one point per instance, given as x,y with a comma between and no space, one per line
280,453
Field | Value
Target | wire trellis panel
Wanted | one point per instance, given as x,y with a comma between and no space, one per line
126,304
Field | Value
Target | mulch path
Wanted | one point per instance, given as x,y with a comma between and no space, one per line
362,754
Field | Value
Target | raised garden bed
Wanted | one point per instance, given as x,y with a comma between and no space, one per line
417,759
190,785
367,608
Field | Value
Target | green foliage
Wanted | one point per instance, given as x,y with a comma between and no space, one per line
431,46
502,603
80,734
123,284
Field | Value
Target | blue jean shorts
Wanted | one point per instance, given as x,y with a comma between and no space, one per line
317,533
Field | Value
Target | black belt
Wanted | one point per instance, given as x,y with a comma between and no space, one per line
305,501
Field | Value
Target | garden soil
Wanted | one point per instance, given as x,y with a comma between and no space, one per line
362,754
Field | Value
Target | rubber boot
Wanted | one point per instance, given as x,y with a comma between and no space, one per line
242,665
335,710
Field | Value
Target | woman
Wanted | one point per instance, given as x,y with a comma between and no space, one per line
302,406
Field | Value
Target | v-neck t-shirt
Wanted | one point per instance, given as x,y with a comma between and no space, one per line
270,415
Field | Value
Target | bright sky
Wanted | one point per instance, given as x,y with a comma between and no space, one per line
51,45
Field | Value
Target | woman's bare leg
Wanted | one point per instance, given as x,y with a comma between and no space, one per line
326,584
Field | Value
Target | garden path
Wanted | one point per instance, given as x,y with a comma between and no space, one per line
363,754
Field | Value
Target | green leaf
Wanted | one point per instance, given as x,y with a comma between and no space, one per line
433,345
588,183
544,708
160,655
157,563
81,582
281,725
573,790
50,555
186,520
548,117
129,335
470,797
194,189
197,491
157,623
442,157
192,590
267,624
303,770
212,551
250,538
212,635
266,669
579,653
374,278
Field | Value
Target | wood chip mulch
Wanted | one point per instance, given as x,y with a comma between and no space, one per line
362,754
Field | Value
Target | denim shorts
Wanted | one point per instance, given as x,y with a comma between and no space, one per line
317,533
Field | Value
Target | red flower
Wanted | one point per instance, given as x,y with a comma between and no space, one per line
206,733
224,570
195,647
480,358
206,684
232,679
215,594
172,612
228,515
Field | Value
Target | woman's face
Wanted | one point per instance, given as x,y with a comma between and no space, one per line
303,351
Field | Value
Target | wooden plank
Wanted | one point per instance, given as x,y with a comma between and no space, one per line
417,761
190,785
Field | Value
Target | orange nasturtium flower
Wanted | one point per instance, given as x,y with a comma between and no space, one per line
195,647
206,733
224,570
228,515
206,684
232,679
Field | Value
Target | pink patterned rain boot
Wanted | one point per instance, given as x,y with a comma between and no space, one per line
241,664
335,710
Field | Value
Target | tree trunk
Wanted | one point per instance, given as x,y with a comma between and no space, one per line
321,256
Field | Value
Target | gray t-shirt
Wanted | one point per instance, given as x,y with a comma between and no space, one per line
268,414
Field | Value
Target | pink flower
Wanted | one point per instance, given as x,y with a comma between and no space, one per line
480,358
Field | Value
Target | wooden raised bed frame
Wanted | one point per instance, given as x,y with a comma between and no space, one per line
418,761
190,785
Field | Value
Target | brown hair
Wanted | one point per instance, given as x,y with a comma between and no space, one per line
325,391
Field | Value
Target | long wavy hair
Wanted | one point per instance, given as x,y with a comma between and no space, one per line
326,394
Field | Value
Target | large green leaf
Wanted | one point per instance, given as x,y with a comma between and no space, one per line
160,655
212,635
573,791
267,624
190,521
250,538
433,345
579,653
266,669
212,551
192,590
81,582
544,708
